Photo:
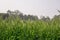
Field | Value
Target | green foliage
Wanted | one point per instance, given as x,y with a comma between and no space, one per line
16,29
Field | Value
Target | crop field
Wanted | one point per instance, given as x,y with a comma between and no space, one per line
16,29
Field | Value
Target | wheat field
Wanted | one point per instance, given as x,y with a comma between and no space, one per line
16,29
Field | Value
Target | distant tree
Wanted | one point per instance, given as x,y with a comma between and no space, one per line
21,16
5,16
56,17
31,17
9,12
17,12
58,11
36,18
45,18
25,17
42,18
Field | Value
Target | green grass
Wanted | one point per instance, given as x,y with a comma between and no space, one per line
16,29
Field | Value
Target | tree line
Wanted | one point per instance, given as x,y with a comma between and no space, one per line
25,17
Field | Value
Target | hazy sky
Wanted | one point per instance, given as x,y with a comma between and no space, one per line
33,7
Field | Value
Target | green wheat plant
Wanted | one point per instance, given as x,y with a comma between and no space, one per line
17,29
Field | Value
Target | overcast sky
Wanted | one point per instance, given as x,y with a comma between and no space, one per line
33,7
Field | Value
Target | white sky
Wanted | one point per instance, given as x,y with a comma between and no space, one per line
33,7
